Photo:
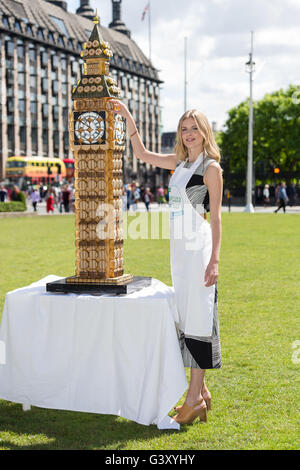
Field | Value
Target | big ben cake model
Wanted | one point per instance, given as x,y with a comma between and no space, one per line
97,138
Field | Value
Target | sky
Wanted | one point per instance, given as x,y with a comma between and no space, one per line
218,44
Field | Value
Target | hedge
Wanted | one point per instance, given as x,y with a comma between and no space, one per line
13,206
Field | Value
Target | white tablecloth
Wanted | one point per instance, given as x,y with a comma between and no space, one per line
102,354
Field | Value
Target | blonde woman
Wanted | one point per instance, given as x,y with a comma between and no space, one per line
195,187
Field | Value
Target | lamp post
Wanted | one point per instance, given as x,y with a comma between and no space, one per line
250,68
185,74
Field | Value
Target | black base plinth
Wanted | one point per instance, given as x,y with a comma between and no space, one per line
61,286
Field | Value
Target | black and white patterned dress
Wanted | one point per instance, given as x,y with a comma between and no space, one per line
201,352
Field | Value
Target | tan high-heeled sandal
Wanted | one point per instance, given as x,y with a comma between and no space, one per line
188,414
207,401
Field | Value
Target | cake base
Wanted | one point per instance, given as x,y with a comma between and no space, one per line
98,288
124,279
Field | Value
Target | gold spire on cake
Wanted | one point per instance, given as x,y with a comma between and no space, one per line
96,81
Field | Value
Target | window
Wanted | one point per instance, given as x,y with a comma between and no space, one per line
54,61
33,107
45,142
32,54
9,76
21,78
29,30
45,85
34,145
23,139
74,67
9,45
60,23
33,81
18,26
40,33
44,58
55,87
63,63
55,112
5,21
45,110
10,105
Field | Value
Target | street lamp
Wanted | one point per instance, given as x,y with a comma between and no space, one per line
250,68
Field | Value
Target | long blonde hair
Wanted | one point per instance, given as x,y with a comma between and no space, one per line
210,146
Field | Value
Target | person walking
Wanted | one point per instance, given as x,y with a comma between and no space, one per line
50,203
132,197
35,198
66,196
292,195
3,193
196,187
282,197
148,196
228,197
266,195
161,195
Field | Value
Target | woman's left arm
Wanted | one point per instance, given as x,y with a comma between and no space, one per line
214,181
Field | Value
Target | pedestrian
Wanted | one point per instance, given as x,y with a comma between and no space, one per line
124,198
132,199
128,191
195,188
14,193
3,193
35,198
161,195
148,196
66,198
266,195
292,195
282,197
55,195
50,203
228,197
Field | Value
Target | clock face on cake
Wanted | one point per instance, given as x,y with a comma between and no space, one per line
119,130
89,128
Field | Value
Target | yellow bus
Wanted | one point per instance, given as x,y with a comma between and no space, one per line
34,170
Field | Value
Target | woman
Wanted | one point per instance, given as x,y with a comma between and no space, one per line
196,186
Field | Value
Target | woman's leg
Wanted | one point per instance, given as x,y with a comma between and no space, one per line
194,393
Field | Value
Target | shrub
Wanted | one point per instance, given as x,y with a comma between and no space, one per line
13,206
22,198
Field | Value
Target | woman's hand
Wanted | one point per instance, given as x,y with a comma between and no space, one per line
211,274
120,108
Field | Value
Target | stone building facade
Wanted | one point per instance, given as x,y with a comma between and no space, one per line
40,44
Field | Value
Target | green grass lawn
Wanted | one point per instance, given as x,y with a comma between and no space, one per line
255,395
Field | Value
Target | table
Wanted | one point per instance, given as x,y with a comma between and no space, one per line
104,354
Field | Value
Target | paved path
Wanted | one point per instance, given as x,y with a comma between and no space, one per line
164,207
153,208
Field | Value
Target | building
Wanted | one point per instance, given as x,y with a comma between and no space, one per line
168,142
40,44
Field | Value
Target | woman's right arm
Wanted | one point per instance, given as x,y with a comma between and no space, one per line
168,161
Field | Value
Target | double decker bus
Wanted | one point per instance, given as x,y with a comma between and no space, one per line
34,170
69,164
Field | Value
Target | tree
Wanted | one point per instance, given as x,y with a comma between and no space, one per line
276,141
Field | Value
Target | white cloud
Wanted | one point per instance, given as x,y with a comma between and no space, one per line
218,46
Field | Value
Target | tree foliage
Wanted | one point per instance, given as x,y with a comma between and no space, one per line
276,139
